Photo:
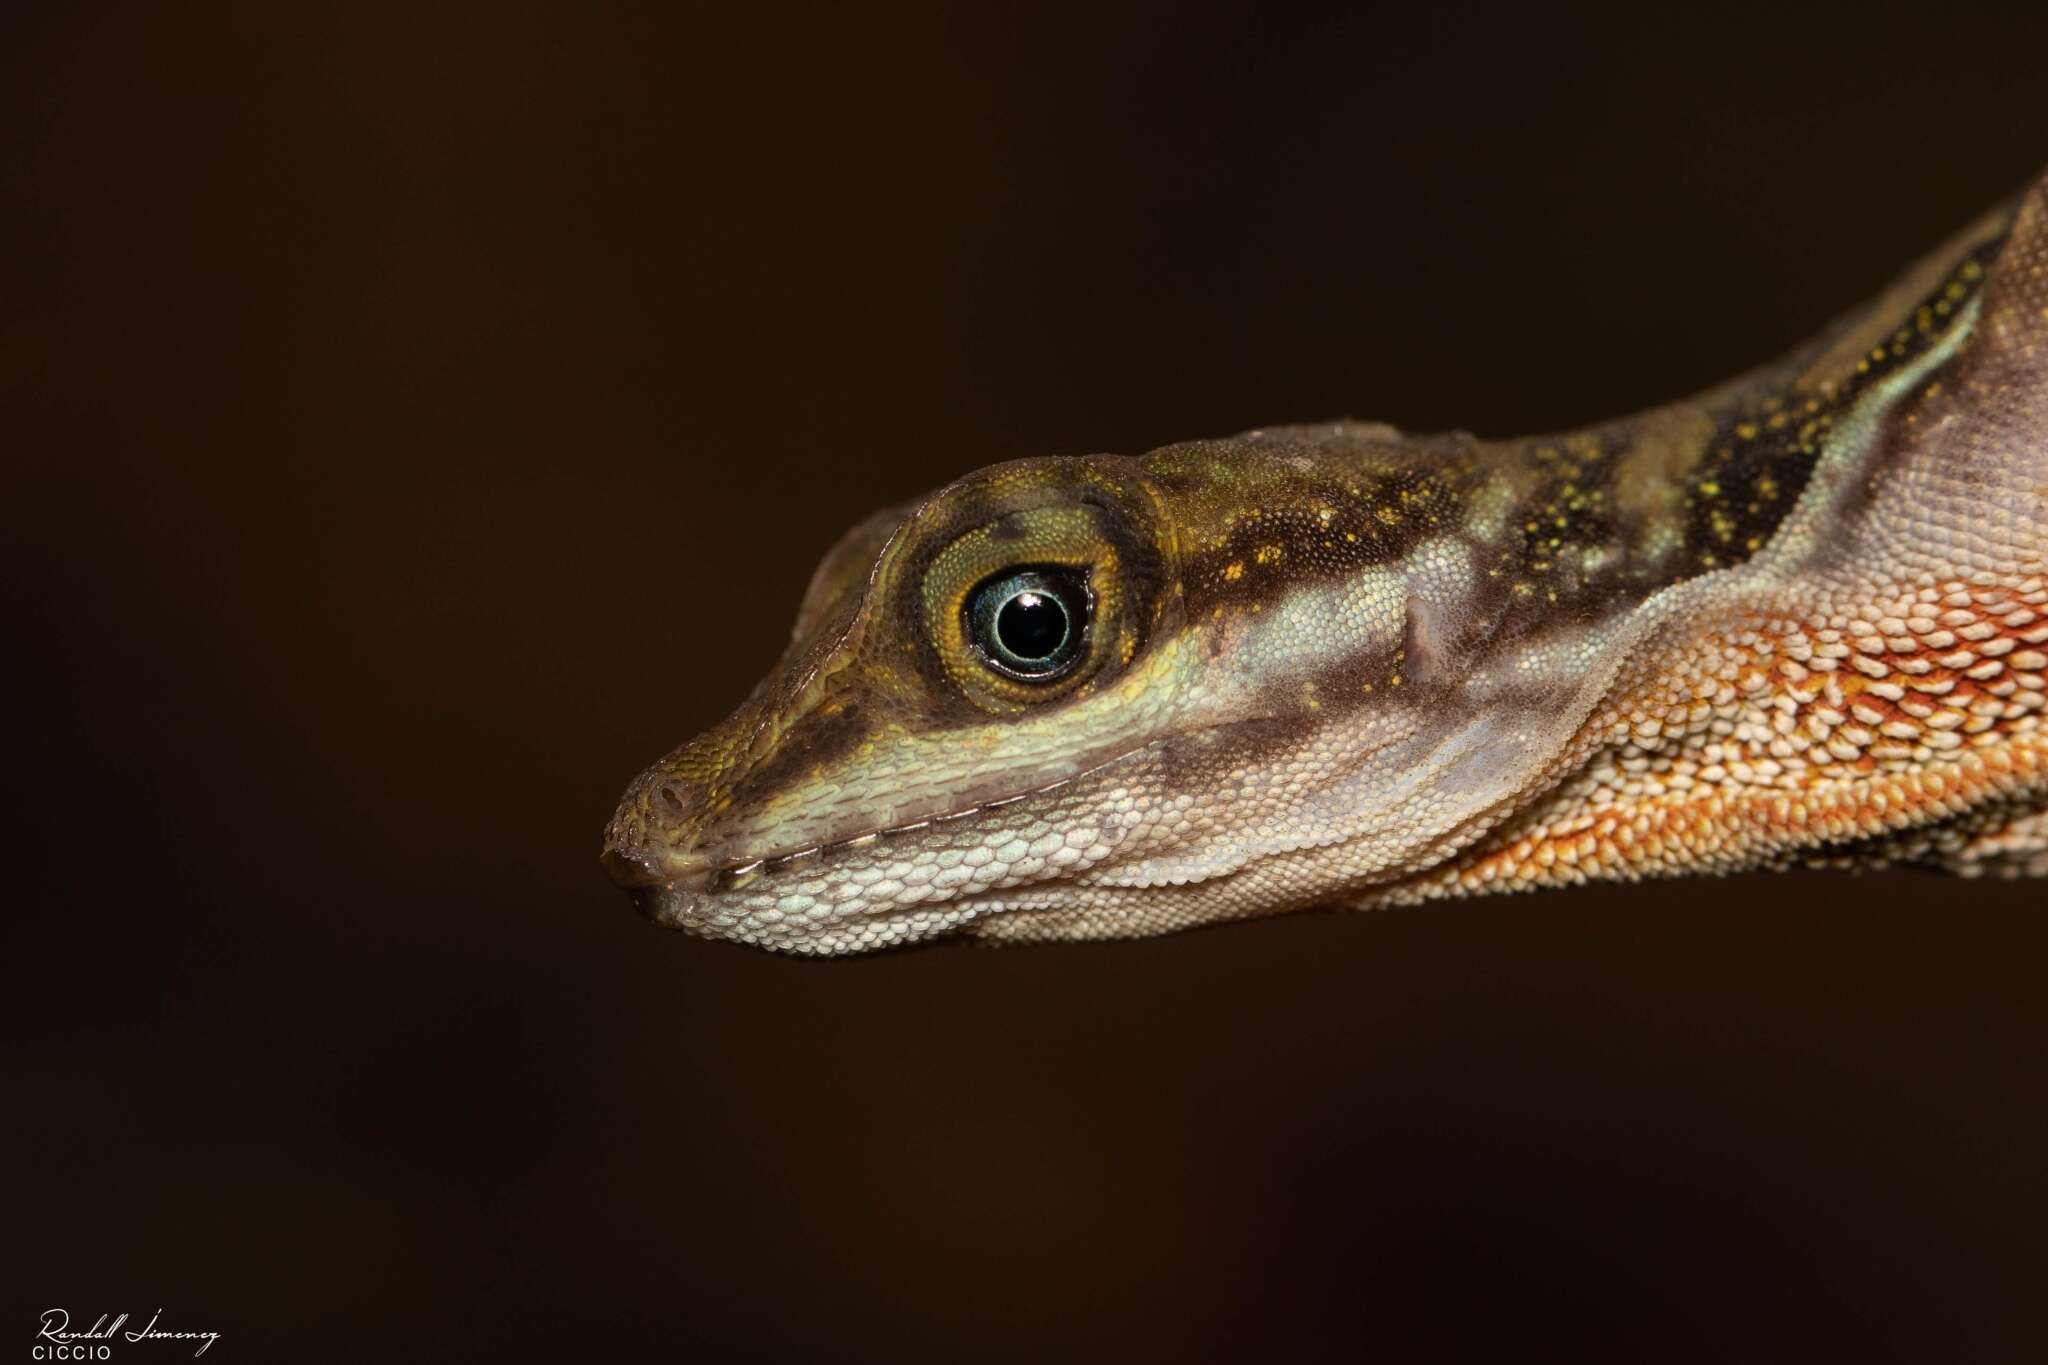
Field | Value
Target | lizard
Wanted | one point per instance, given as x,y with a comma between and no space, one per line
1798,620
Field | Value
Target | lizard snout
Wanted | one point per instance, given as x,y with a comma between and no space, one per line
631,871
637,876
649,848
659,885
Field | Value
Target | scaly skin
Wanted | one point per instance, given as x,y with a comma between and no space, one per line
1799,620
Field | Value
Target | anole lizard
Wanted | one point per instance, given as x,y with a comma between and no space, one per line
1801,619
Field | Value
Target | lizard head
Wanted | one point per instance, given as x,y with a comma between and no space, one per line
1078,698
958,673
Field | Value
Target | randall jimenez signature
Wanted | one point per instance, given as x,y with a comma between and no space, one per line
56,1341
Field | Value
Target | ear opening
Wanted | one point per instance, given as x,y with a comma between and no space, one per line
1423,642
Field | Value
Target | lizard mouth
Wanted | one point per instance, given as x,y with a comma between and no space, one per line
660,882
634,872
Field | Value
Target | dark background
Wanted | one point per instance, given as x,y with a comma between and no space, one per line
418,420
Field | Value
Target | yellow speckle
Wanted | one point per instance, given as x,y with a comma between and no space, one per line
1747,431
1270,554
1233,571
1387,516
1710,488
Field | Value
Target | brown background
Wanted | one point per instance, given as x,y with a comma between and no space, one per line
417,421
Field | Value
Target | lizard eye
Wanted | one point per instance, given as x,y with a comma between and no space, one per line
1031,624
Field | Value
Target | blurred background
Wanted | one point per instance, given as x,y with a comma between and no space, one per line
419,418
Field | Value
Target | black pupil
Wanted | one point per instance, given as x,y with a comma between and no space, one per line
1032,625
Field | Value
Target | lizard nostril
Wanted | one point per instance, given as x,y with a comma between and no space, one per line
676,803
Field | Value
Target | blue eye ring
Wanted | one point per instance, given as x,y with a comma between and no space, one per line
1031,623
